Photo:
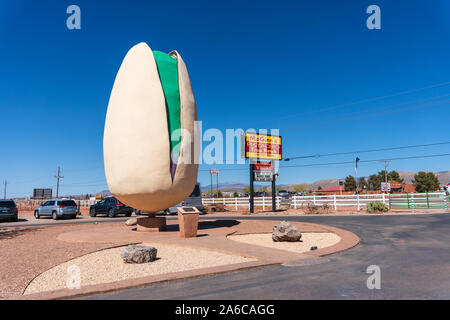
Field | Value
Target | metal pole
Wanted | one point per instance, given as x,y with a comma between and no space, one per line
57,182
252,208
217,183
210,186
274,205
357,185
4,192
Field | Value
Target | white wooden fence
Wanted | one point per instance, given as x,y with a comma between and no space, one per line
339,200
264,202
435,200
297,202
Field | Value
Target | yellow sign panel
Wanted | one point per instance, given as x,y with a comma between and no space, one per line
262,146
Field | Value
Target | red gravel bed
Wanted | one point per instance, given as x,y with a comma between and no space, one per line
22,251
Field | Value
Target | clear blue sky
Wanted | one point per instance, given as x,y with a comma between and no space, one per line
253,64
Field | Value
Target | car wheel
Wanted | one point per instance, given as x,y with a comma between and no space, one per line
74,216
111,213
167,212
54,215
36,214
15,219
128,214
137,212
92,212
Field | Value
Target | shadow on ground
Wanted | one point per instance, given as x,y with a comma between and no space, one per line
6,233
204,225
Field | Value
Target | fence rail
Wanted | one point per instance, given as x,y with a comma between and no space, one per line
436,200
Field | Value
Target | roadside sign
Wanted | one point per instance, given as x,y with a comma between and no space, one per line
263,176
42,193
261,146
385,187
213,171
263,166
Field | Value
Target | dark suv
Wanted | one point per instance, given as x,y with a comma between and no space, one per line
111,207
8,210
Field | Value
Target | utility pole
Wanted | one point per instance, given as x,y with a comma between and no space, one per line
59,176
385,171
4,191
217,184
210,185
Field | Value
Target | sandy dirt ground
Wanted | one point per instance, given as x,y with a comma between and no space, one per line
308,240
107,266
24,248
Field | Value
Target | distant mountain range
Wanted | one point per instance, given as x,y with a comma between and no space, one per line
408,176
232,186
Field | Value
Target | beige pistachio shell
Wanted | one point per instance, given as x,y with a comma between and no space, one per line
136,145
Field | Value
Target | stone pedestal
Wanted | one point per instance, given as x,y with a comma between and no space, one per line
188,221
151,224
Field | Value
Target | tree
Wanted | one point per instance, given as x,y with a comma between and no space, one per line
374,182
394,176
362,183
425,181
350,183
319,188
235,194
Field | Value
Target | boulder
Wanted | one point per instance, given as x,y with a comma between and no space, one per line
285,232
131,222
138,254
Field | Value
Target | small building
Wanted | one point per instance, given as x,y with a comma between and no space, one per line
329,190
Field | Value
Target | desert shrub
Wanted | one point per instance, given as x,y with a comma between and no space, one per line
376,206
311,208
326,208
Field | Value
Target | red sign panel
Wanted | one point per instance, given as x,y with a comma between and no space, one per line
263,166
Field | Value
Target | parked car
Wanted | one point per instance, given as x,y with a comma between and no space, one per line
194,200
111,207
283,194
8,210
57,209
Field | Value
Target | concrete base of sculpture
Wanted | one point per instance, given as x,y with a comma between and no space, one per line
151,224
188,221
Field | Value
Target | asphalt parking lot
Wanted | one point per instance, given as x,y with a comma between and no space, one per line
411,251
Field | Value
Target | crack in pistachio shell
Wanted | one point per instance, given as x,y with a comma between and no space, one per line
168,74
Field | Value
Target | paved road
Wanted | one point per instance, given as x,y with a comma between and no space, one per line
413,253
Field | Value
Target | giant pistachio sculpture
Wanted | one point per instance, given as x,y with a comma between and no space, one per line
148,143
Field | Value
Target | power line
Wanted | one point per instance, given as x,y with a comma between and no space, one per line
347,162
371,160
367,150
419,106
365,100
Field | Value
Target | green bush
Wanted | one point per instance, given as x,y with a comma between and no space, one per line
377,206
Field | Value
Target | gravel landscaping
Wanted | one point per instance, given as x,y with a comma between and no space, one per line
309,239
107,266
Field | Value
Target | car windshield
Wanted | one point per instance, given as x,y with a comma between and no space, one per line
282,191
68,203
7,204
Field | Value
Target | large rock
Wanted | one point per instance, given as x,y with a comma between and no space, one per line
138,254
285,232
131,222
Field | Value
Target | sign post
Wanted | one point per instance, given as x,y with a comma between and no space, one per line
265,147
252,203
216,172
